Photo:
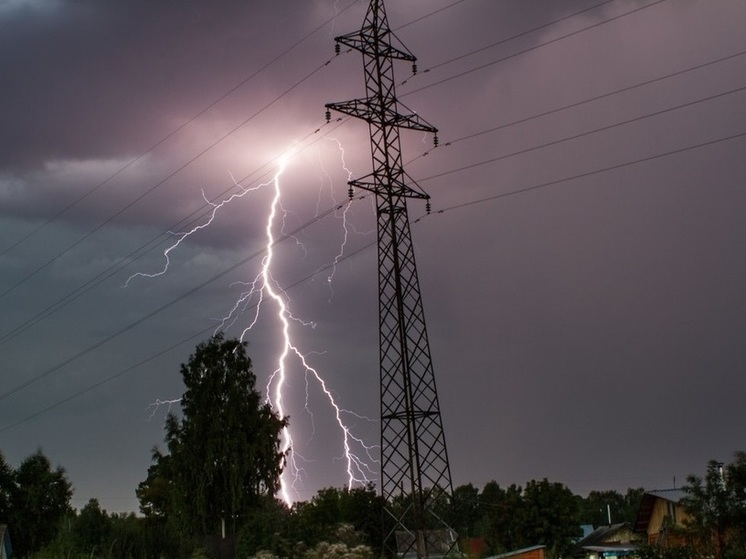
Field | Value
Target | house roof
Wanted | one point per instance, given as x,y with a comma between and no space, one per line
628,548
602,535
516,552
648,502
673,495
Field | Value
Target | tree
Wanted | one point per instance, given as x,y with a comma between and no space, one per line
7,489
154,493
595,508
266,530
632,501
350,516
501,511
224,451
543,513
40,501
717,508
552,514
92,528
463,514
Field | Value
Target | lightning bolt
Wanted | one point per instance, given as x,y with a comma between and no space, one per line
265,288
260,292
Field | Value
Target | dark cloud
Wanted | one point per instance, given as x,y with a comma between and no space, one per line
587,330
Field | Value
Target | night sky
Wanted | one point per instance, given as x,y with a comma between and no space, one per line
582,269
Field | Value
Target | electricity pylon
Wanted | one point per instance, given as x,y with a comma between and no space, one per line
415,474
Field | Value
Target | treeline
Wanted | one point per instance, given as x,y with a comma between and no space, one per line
35,504
347,524
213,490
541,512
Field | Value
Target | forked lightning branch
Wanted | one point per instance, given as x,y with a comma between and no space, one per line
264,295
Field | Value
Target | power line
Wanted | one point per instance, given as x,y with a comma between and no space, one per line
194,117
75,294
327,212
587,133
589,100
576,176
178,129
165,306
173,346
103,275
164,180
508,39
137,253
591,173
349,256
444,8
533,48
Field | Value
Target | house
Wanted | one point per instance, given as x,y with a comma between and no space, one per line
661,512
617,540
6,551
534,552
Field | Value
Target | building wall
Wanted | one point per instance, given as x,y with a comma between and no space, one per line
533,554
661,510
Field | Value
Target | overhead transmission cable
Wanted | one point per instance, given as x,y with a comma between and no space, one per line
194,117
587,174
452,171
274,60
538,186
164,180
586,133
137,253
178,344
327,212
501,41
533,48
175,131
165,306
576,104
361,249
444,8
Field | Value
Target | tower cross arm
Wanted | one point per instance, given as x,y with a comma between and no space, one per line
367,110
414,122
367,43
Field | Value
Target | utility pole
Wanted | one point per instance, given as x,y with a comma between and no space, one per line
415,474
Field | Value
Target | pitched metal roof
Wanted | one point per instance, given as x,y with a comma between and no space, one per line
516,552
648,502
602,535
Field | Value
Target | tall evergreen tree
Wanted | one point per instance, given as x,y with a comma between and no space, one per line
40,501
717,508
7,489
225,449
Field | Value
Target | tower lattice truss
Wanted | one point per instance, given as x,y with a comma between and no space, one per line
415,474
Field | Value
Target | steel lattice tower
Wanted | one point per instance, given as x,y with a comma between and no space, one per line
415,474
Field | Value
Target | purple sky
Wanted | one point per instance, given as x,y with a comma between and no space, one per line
588,329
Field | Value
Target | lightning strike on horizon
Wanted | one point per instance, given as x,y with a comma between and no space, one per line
264,286
264,289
